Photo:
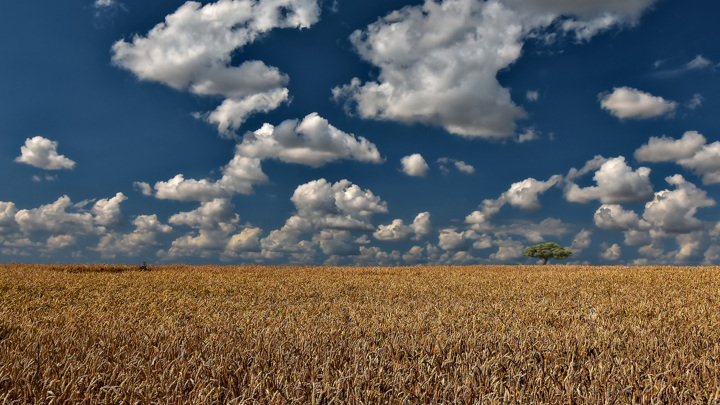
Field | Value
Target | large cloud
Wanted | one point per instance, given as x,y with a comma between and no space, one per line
671,213
313,142
193,48
616,183
54,218
147,227
322,206
674,210
438,62
626,102
690,151
42,153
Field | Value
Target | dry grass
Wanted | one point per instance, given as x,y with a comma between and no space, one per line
500,334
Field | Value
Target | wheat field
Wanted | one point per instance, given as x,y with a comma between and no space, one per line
318,335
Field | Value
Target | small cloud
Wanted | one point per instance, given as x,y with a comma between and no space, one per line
698,63
612,253
529,135
459,165
464,167
414,165
47,177
626,102
695,102
42,153
532,95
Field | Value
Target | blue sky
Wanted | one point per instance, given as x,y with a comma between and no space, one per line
359,133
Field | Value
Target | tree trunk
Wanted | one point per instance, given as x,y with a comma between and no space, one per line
546,260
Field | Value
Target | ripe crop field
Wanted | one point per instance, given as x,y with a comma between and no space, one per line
315,335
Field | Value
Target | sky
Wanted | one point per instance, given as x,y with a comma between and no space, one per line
337,132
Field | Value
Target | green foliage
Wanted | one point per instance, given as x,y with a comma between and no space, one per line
547,251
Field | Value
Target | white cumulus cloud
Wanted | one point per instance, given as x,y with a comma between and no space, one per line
313,142
616,183
42,153
398,231
612,253
690,152
414,165
438,61
193,47
626,102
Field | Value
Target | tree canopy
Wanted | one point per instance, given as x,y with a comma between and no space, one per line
547,251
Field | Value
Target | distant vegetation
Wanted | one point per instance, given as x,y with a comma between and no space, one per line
496,334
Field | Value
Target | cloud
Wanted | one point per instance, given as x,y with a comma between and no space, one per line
398,231
60,242
695,102
534,233
181,189
7,216
107,210
674,211
671,212
507,250
214,222
324,206
527,136
581,242
626,102
147,227
239,176
248,240
313,142
53,218
103,3
451,240
414,165
666,149
193,48
459,165
615,217
612,253
532,95
523,194
209,215
699,63
438,62
690,152
616,183
587,10
232,113
42,153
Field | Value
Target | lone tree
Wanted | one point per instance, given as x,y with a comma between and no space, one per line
547,251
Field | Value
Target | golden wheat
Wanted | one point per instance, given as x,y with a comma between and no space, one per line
465,335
